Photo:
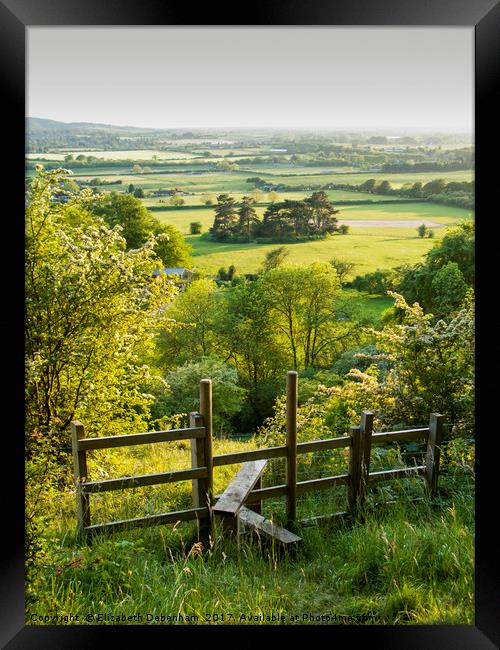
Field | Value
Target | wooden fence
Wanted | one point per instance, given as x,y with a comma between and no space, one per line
357,478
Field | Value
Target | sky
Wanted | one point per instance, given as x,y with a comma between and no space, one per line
368,78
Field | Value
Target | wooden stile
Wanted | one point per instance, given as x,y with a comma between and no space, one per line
242,498
291,443
231,501
80,473
433,455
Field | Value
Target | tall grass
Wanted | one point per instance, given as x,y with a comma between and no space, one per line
405,562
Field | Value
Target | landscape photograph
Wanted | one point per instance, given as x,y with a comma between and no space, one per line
249,326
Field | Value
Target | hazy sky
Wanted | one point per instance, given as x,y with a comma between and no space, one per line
336,77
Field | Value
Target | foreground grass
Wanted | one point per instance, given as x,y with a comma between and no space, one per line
408,562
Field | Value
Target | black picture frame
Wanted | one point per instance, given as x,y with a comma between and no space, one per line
15,16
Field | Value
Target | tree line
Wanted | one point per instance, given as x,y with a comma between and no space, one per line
311,217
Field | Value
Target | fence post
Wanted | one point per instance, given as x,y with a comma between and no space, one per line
291,443
366,430
199,485
354,483
433,455
80,473
206,412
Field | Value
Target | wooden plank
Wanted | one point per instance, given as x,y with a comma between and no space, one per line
267,529
80,474
404,472
393,436
141,481
234,496
292,379
253,454
433,455
151,520
323,445
354,482
108,442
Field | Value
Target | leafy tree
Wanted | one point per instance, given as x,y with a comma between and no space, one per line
176,200
368,185
416,283
322,212
275,258
434,187
228,397
90,303
458,245
139,193
302,302
226,219
422,230
171,247
384,188
195,316
449,288
131,188
343,229
343,267
195,227
247,217
432,364
138,225
137,169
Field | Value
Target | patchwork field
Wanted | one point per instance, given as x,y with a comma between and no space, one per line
381,235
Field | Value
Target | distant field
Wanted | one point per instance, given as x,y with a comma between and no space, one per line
396,180
137,154
413,212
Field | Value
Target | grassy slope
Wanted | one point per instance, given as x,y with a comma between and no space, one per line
407,563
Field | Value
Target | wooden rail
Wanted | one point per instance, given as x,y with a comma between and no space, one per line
357,478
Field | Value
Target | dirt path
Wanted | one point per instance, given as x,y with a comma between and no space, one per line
389,223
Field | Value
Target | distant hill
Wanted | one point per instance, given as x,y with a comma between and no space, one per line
38,125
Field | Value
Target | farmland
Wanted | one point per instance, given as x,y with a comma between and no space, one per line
385,236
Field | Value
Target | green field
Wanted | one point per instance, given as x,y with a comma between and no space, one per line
370,245
356,178
368,248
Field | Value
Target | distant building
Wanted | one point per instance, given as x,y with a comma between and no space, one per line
181,275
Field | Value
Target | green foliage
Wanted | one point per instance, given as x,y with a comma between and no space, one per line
301,301
343,267
227,396
89,303
376,282
274,258
440,282
195,227
195,316
138,226
432,365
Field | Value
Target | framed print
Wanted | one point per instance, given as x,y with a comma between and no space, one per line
254,244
